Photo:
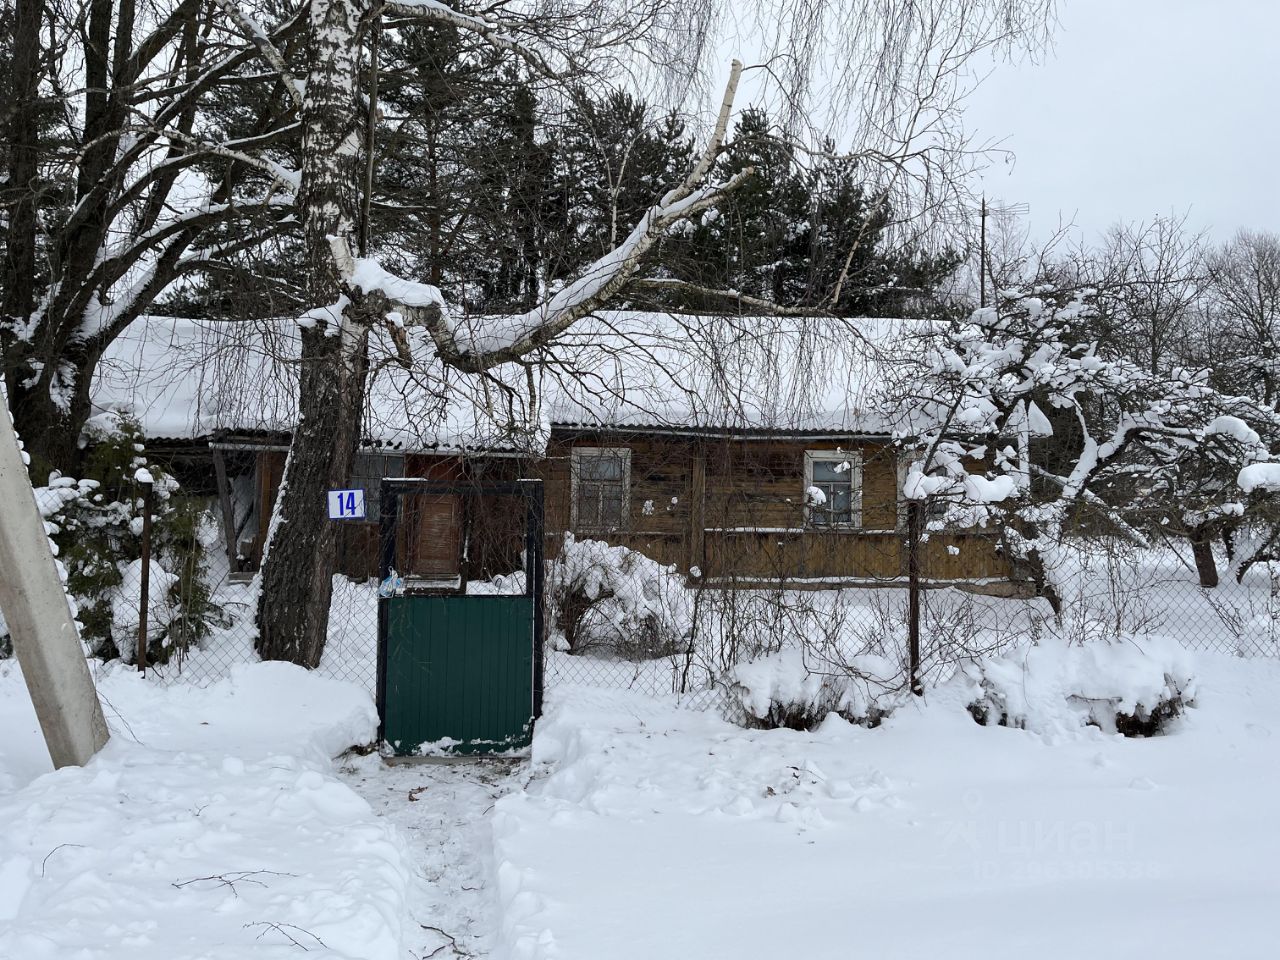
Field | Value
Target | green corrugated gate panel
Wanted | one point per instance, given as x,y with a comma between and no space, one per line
460,669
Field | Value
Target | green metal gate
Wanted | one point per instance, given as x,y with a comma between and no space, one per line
459,674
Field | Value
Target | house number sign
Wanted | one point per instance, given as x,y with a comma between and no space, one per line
346,504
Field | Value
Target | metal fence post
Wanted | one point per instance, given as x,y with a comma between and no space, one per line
915,516
144,600
388,507
535,575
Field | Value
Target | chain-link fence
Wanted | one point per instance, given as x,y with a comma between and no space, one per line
1108,592
350,653
618,620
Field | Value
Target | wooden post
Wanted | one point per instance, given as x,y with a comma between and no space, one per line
915,518
144,601
698,509
35,607
228,510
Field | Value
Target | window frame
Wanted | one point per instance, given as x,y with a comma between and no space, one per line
854,459
575,469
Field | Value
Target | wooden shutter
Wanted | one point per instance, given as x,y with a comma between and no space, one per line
435,535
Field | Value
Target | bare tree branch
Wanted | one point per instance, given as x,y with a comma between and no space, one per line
758,304
597,285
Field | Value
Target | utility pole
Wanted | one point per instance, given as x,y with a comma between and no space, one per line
1000,210
982,262
40,623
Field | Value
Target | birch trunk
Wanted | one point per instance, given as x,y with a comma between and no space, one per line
297,574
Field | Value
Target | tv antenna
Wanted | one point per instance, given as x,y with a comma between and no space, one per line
1002,211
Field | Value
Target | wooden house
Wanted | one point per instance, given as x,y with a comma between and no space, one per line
743,450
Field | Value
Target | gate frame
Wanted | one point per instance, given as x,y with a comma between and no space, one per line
533,491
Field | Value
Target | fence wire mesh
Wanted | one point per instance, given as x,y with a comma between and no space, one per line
618,620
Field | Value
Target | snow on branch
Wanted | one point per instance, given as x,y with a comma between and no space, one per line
1140,454
262,41
281,174
487,30
407,298
599,282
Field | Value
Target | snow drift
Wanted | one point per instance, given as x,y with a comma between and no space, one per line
210,827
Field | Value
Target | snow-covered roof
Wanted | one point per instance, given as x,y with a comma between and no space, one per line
189,379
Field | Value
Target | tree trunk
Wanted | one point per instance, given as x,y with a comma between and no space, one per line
297,573
1202,551
17,292
1019,542
51,413
50,435
18,269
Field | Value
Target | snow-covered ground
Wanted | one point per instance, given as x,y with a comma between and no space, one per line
217,825
442,811
212,826
651,831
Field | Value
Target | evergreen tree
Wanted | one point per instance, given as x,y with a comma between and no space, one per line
800,235
613,157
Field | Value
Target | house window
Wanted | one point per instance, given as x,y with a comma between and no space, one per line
601,481
833,488
366,474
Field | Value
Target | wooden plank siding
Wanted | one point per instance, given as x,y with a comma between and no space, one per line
719,508
734,509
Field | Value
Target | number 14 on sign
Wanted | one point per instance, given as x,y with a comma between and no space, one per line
346,504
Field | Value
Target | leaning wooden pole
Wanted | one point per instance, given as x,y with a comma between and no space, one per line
39,617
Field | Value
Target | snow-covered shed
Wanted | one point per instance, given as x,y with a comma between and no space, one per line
747,448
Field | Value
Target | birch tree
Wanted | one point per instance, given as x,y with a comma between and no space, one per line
903,65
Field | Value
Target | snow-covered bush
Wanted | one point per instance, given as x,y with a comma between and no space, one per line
781,690
1133,686
96,524
857,634
615,601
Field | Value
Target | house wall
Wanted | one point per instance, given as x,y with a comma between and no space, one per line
727,508
734,508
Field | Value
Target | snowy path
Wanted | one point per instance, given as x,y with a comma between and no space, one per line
444,810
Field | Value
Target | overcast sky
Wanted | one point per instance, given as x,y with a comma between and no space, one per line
1144,107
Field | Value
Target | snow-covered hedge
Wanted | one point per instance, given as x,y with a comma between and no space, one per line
613,600
780,690
1132,686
